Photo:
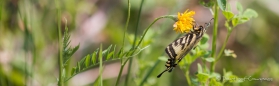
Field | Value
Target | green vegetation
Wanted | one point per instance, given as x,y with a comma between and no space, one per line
63,42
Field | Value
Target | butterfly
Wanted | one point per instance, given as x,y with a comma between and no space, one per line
183,45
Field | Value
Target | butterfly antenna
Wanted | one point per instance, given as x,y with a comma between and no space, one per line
207,24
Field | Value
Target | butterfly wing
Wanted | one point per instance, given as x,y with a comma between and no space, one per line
181,46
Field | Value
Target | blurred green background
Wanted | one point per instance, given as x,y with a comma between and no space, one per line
29,40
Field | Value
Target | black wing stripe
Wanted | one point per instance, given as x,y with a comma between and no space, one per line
181,39
176,42
173,53
189,39
168,52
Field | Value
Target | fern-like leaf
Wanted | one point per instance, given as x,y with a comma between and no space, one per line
67,50
92,60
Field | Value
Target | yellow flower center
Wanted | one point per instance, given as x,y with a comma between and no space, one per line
185,21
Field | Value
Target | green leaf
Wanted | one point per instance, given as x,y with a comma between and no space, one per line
239,7
202,77
188,59
87,61
106,52
163,58
73,70
199,68
229,8
78,66
228,15
243,19
222,4
207,53
129,53
210,59
113,56
250,13
214,82
215,75
208,4
96,83
204,39
235,21
67,51
63,73
100,53
94,57
233,78
66,38
229,76
228,26
120,53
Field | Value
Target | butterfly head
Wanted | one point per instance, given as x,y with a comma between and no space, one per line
201,28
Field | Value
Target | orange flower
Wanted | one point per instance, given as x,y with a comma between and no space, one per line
184,22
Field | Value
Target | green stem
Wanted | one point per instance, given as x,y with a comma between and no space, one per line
119,74
129,71
1,9
188,77
167,16
121,70
149,73
137,26
223,46
61,80
222,49
134,43
67,68
144,33
127,23
2,77
215,29
101,67
123,43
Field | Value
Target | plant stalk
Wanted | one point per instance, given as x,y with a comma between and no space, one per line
134,43
188,77
144,33
60,59
123,43
149,73
223,46
127,23
215,31
119,74
101,67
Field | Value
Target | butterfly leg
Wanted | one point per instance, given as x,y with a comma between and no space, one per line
195,46
178,61
171,64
